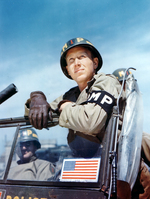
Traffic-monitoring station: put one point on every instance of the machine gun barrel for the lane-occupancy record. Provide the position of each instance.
(8, 92)
(24, 121)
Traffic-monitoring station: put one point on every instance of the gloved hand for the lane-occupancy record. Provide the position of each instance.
(145, 181)
(39, 110)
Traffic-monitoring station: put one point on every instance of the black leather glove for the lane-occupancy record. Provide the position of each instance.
(39, 110)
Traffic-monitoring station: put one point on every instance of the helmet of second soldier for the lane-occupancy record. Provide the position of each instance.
(78, 42)
(27, 144)
(29, 134)
(120, 73)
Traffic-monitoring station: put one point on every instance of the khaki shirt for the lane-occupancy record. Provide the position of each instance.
(86, 120)
(36, 170)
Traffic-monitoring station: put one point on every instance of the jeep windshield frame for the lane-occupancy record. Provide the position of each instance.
(104, 169)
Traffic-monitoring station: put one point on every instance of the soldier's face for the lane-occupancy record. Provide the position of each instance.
(27, 150)
(80, 64)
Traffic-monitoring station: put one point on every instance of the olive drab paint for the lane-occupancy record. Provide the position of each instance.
(73, 41)
(120, 73)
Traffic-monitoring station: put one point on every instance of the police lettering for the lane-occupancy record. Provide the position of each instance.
(103, 99)
(22, 197)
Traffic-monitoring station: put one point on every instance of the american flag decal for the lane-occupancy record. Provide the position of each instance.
(80, 170)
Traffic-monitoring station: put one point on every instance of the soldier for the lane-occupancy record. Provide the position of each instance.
(27, 144)
(84, 109)
(29, 166)
(143, 181)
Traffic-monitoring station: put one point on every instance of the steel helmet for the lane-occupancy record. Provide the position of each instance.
(119, 73)
(78, 42)
(28, 134)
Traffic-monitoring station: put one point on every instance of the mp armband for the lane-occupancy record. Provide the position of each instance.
(103, 99)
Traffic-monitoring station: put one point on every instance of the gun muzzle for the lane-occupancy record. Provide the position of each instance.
(8, 92)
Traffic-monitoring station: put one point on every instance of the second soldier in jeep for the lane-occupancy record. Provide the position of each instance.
(29, 166)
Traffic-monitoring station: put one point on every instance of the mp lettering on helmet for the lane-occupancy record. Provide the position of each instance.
(64, 48)
(103, 99)
(24, 133)
(79, 39)
(29, 132)
(121, 73)
(89, 43)
(34, 135)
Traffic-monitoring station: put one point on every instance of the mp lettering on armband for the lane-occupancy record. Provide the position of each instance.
(103, 99)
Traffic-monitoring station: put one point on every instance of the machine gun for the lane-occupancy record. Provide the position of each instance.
(24, 121)
(8, 92)
(18, 121)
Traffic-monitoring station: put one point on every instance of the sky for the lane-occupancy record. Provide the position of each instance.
(32, 33)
